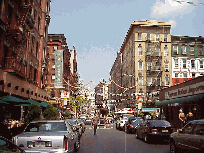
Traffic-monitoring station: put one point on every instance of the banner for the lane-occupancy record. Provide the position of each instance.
(58, 68)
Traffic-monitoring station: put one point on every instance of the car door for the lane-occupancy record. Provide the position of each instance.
(183, 137)
(195, 140)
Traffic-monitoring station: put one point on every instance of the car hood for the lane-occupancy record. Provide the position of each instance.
(31, 134)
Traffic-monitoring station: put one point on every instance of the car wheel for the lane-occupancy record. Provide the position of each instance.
(136, 135)
(173, 148)
(146, 139)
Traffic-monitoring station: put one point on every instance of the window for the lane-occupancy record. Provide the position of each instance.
(140, 65)
(139, 36)
(53, 76)
(167, 80)
(183, 49)
(200, 50)
(149, 65)
(192, 64)
(157, 50)
(184, 63)
(157, 37)
(192, 50)
(201, 64)
(139, 49)
(176, 63)
(165, 37)
(175, 49)
(176, 75)
(166, 66)
(166, 53)
(148, 36)
(158, 81)
(193, 75)
(149, 81)
(148, 49)
(199, 129)
(53, 63)
(185, 74)
(188, 129)
(140, 78)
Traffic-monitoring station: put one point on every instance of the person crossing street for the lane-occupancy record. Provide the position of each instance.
(95, 122)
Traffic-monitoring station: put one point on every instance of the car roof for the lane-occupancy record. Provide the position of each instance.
(48, 121)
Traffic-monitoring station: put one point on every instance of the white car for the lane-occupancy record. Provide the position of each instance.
(48, 136)
(122, 123)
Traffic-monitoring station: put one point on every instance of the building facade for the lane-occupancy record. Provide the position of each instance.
(187, 58)
(145, 62)
(61, 70)
(22, 43)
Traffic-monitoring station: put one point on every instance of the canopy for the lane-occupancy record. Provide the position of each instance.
(33, 102)
(10, 98)
(180, 100)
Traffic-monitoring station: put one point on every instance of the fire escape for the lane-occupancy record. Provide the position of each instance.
(19, 22)
(154, 68)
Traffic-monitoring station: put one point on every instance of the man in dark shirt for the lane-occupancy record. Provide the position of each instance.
(94, 123)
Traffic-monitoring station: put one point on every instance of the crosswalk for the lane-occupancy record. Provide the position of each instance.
(102, 127)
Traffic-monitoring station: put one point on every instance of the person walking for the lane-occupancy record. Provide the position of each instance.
(189, 116)
(95, 122)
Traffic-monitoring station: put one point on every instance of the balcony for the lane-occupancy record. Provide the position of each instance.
(30, 21)
(15, 66)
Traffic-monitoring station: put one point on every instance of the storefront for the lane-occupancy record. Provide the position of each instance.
(188, 96)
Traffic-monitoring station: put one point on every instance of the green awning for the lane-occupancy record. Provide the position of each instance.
(180, 100)
(3, 102)
(22, 105)
(33, 102)
(10, 98)
(44, 104)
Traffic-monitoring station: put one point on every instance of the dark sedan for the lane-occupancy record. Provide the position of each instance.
(188, 139)
(133, 125)
(155, 128)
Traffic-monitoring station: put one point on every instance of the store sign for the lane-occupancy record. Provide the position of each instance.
(58, 68)
(185, 91)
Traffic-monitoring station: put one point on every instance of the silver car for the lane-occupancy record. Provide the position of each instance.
(48, 136)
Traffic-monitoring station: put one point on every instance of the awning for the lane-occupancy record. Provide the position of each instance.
(10, 98)
(3, 102)
(22, 105)
(148, 109)
(44, 104)
(33, 102)
(180, 100)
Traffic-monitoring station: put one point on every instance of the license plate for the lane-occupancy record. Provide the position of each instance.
(165, 131)
(39, 144)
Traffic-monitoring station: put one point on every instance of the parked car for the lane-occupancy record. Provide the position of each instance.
(155, 128)
(189, 138)
(8, 146)
(81, 123)
(133, 124)
(87, 121)
(48, 136)
(75, 125)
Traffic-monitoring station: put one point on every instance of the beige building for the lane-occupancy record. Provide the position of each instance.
(145, 62)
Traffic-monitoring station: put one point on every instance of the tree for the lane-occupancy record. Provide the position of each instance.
(34, 113)
(50, 113)
(67, 115)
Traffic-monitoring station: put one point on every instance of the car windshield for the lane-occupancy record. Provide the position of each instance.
(137, 121)
(73, 122)
(159, 123)
(46, 127)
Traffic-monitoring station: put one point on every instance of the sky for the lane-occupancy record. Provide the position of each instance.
(97, 28)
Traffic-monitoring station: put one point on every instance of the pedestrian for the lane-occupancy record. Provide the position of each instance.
(94, 123)
(189, 116)
(181, 117)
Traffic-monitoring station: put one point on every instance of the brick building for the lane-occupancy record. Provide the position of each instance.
(59, 69)
(23, 41)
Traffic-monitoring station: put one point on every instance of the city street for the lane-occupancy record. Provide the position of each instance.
(114, 141)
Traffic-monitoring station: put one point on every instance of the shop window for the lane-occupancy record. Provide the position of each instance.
(184, 63)
(192, 64)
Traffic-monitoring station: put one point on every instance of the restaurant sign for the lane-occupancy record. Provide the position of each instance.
(197, 88)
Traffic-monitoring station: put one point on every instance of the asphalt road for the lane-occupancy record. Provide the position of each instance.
(110, 140)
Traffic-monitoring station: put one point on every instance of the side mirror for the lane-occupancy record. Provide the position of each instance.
(180, 130)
